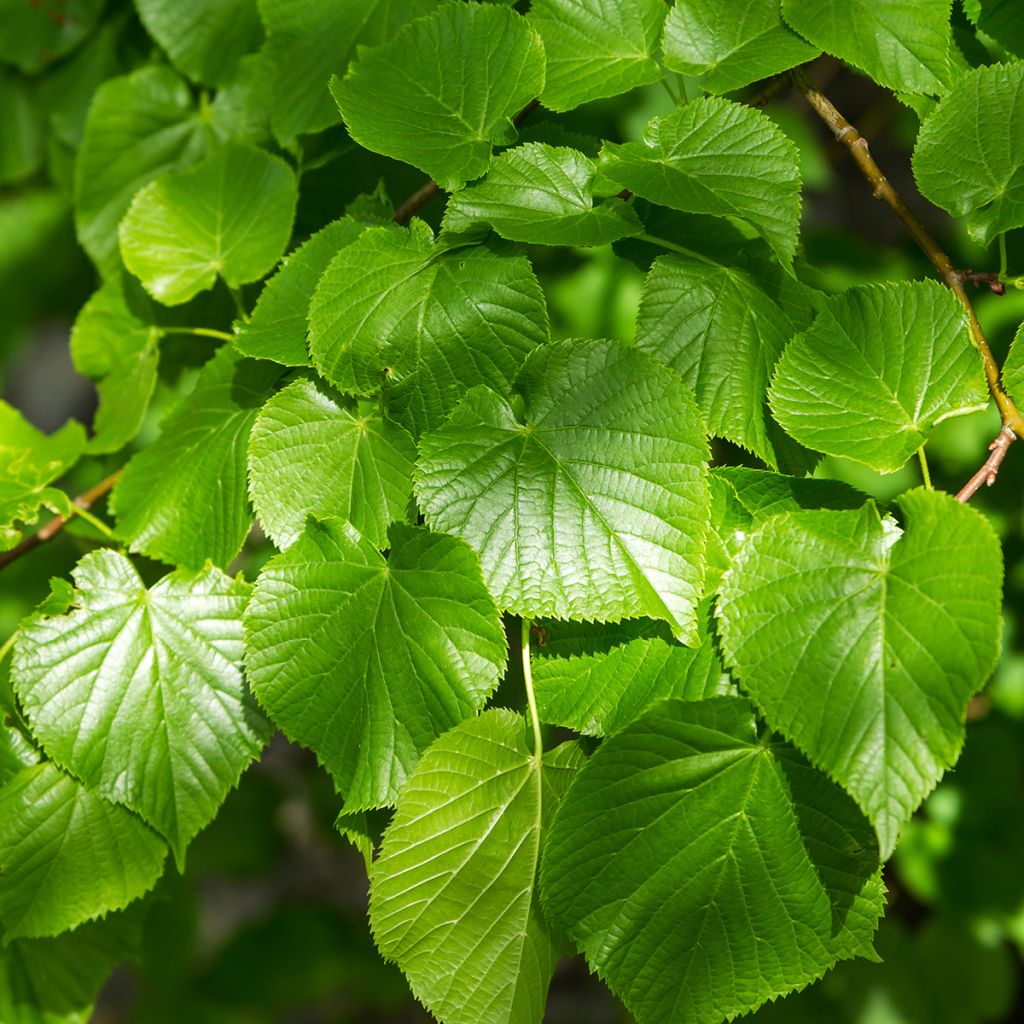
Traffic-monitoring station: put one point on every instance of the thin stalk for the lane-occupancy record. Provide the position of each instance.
(1002, 255)
(664, 243)
(5, 648)
(669, 90)
(243, 313)
(96, 522)
(531, 699)
(202, 332)
(925, 475)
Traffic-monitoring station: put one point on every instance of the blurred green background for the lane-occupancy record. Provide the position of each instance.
(267, 924)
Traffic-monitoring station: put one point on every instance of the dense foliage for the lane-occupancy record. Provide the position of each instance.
(487, 404)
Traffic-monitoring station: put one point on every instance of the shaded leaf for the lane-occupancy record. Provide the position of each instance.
(33, 35)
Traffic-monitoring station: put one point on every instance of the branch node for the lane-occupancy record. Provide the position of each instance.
(990, 470)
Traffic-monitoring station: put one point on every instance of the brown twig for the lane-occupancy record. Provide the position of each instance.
(55, 525)
(987, 474)
(405, 211)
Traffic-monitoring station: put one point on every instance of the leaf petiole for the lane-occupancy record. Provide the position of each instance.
(531, 699)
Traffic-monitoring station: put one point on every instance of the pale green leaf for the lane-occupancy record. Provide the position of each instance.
(56, 980)
(183, 499)
(139, 692)
(204, 38)
(1013, 367)
(599, 694)
(118, 349)
(727, 45)
(34, 34)
(229, 216)
(969, 157)
(453, 898)
(29, 462)
(276, 329)
(394, 310)
(863, 645)
(901, 44)
(715, 325)
(68, 855)
(139, 127)
(720, 158)
(15, 753)
(444, 89)
(314, 452)
(540, 194)
(703, 871)
(309, 40)
(597, 48)
(366, 661)
(592, 504)
(876, 371)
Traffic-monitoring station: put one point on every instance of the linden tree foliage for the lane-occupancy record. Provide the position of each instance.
(500, 455)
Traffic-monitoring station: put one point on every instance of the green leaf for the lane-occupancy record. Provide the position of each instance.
(56, 980)
(703, 871)
(183, 498)
(15, 753)
(33, 35)
(366, 661)
(68, 855)
(392, 308)
(593, 504)
(22, 129)
(982, 180)
(277, 327)
(597, 48)
(999, 19)
(901, 44)
(314, 452)
(715, 325)
(204, 38)
(720, 158)
(599, 694)
(540, 194)
(309, 40)
(877, 370)
(727, 45)
(139, 692)
(112, 345)
(1013, 367)
(29, 462)
(444, 89)
(863, 646)
(454, 898)
(139, 127)
(231, 215)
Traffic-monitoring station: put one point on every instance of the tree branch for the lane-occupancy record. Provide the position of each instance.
(55, 525)
(847, 134)
(987, 474)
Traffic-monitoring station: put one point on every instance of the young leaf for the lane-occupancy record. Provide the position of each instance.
(367, 661)
(393, 307)
(703, 871)
(444, 90)
(312, 452)
(596, 48)
(139, 692)
(599, 694)
(183, 498)
(231, 215)
(466, 840)
(56, 980)
(542, 194)
(982, 181)
(139, 127)
(721, 332)
(29, 462)
(309, 40)
(277, 327)
(68, 855)
(720, 158)
(901, 44)
(863, 648)
(205, 39)
(878, 369)
(119, 350)
(593, 505)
